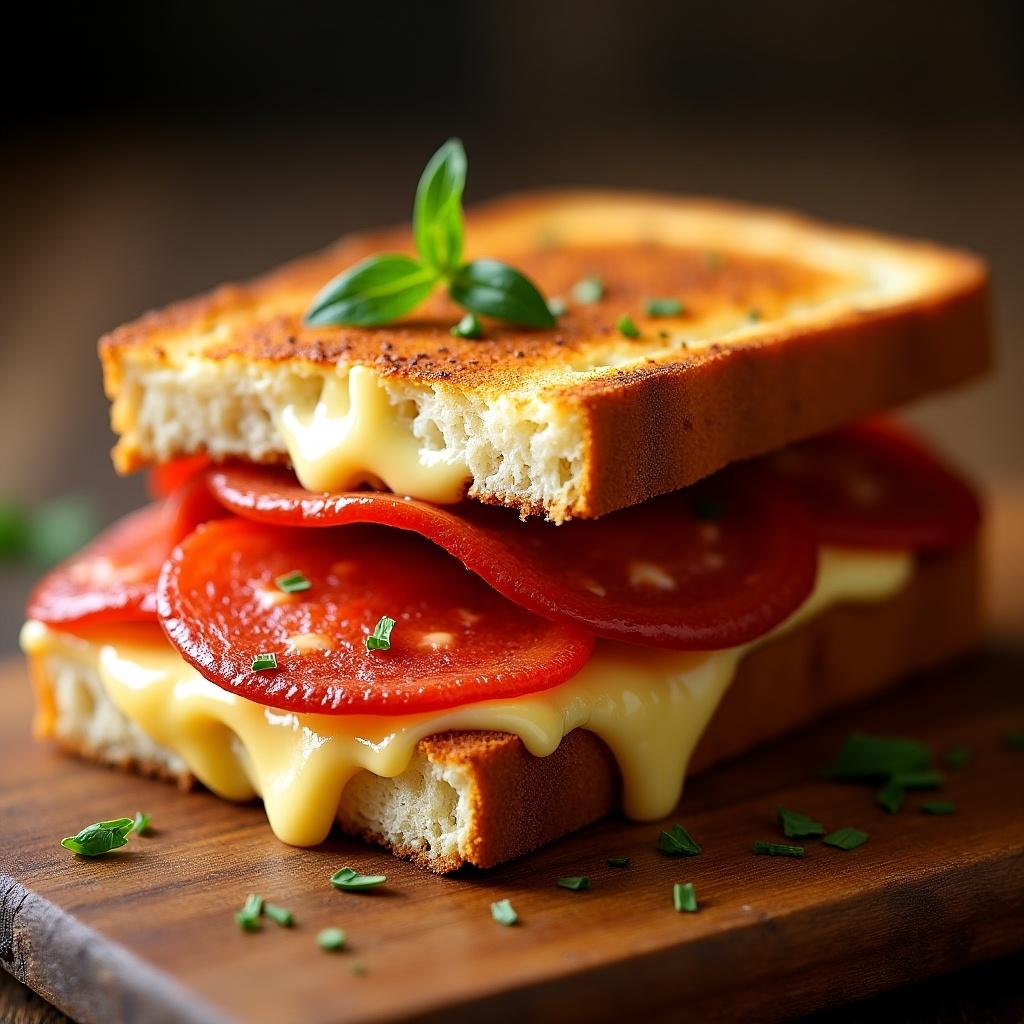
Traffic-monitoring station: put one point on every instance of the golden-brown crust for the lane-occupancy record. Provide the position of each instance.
(848, 323)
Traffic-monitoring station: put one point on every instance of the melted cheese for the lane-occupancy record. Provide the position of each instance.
(649, 706)
(353, 433)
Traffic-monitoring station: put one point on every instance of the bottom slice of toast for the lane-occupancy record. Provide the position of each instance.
(480, 798)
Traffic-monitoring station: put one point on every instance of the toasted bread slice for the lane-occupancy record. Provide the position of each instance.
(480, 798)
(789, 327)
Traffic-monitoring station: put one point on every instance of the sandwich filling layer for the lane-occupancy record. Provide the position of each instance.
(649, 706)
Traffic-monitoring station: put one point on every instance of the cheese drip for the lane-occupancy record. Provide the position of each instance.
(353, 433)
(649, 706)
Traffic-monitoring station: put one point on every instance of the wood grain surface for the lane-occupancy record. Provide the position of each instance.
(147, 934)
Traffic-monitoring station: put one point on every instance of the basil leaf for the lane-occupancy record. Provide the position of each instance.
(795, 825)
(777, 849)
(437, 211)
(868, 758)
(678, 842)
(376, 291)
(846, 838)
(576, 883)
(99, 838)
(492, 288)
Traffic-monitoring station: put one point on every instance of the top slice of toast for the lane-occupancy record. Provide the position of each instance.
(789, 327)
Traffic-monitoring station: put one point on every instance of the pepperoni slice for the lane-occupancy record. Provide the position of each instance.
(872, 485)
(114, 577)
(166, 477)
(455, 640)
(708, 567)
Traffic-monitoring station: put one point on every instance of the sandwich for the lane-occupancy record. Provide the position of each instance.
(468, 535)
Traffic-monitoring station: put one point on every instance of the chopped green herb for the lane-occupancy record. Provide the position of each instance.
(927, 779)
(380, 638)
(891, 797)
(627, 328)
(589, 290)
(664, 307)
(349, 880)
(754, 314)
(864, 758)
(293, 582)
(263, 662)
(684, 896)
(937, 807)
(468, 327)
(777, 849)
(99, 838)
(140, 825)
(678, 842)
(331, 939)
(248, 918)
(958, 757)
(574, 882)
(713, 260)
(1015, 740)
(504, 913)
(558, 306)
(795, 825)
(846, 838)
(285, 918)
(618, 862)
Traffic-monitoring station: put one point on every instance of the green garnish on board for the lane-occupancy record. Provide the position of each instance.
(140, 825)
(380, 638)
(264, 662)
(618, 862)
(684, 897)
(504, 913)
(795, 825)
(866, 758)
(285, 918)
(777, 849)
(293, 582)
(936, 807)
(574, 882)
(382, 288)
(678, 842)
(99, 838)
(846, 838)
(891, 796)
(331, 939)
(248, 918)
(349, 880)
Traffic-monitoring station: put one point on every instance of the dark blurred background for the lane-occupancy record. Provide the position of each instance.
(154, 150)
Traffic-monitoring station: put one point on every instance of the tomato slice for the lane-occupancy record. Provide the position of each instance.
(114, 577)
(708, 567)
(455, 641)
(873, 485)
(166, 477)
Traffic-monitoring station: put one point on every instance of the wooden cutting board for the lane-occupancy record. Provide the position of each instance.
(147, 934)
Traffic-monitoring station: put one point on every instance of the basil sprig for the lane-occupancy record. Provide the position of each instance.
(383, 288)
(100, 838)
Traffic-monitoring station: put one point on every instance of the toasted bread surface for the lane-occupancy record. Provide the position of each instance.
(480, 798)
(789, 327)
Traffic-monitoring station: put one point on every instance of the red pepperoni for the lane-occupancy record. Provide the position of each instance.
(708, 567)
(455, 640)
(166, 477)
(114, 577)
(872, 485)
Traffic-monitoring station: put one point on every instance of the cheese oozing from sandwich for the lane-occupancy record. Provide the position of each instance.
(650, 706)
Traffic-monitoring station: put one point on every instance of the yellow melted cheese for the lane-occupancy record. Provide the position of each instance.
(353, 433)
(649, 706)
